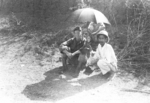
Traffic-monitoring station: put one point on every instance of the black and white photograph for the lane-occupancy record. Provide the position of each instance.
(75, 51)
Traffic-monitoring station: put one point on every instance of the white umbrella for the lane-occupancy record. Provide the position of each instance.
(89, 15)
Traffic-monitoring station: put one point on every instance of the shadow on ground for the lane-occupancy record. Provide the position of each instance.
(56, 87)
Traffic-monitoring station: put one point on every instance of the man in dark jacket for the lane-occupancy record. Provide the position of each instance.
(72, 49)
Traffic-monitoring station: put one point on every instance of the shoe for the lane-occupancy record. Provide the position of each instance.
(112, 76)
(88, 71)
(61, 72)
(64, 69)
(97, 70)
(95, 73)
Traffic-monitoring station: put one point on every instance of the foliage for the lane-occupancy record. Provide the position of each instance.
(129, 31)
(130, 19)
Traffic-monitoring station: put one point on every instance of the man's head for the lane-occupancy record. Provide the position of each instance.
(87, 36)
(102, 37)
(77, 33)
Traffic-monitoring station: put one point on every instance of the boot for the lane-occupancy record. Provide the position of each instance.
(88, 71)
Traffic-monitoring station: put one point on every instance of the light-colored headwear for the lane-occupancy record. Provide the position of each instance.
(95, 28)
(103, 32)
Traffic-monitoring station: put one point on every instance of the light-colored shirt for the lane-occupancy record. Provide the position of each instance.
(107, 53)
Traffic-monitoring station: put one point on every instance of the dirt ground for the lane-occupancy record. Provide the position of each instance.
(28, 80)
(31, 78)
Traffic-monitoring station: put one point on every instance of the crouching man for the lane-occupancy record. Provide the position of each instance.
(104, 58)
(71, 49)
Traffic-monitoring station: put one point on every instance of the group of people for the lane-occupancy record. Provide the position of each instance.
(89, 47)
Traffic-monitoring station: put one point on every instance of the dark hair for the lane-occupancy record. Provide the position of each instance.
(77, 29)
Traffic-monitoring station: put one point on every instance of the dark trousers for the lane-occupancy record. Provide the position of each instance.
(69, 61)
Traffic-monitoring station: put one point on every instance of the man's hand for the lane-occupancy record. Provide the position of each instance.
(91, 61)
(92, 53)
(76, 52)
(87, 64)
(63, 48)
(69, 55)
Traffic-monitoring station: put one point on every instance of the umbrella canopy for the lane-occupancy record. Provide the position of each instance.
(89, 15)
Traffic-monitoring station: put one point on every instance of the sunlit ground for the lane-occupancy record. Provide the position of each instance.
(16, 75)
(110, 92)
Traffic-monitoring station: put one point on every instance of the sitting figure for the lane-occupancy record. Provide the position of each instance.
(71, 49)
(104, 57)
(86, 51)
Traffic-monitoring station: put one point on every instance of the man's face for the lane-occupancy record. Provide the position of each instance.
(87, 36)
(102, 39)
(78, 34)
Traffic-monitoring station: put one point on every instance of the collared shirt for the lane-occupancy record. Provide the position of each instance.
(107, 53)
(73, 44)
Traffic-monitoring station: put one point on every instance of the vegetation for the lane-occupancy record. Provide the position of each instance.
(43, 21)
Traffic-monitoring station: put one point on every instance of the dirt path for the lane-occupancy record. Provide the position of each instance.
(24, 80)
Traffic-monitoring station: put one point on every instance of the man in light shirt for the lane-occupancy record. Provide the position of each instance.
(104, 57)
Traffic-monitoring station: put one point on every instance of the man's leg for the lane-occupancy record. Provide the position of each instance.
(111, 76)
(73, 61)
(78, 67)
(81, 61)
(65, 52)
(107, 69)
(64, 63)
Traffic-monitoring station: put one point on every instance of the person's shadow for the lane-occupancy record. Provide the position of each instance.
(56, 86)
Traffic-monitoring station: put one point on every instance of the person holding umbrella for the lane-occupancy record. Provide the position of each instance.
(95, 20)
(71, 49)
(93, 29)
(104, 58)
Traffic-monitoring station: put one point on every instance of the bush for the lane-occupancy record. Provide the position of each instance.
(129, 18)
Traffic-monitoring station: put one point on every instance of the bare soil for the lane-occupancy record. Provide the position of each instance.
(26, 80)
(33, 78)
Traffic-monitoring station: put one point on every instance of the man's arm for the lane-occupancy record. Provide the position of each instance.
(80, 49)
(76, 52)
(65, 45)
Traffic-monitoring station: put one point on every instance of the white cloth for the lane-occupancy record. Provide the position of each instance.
(105, 57)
